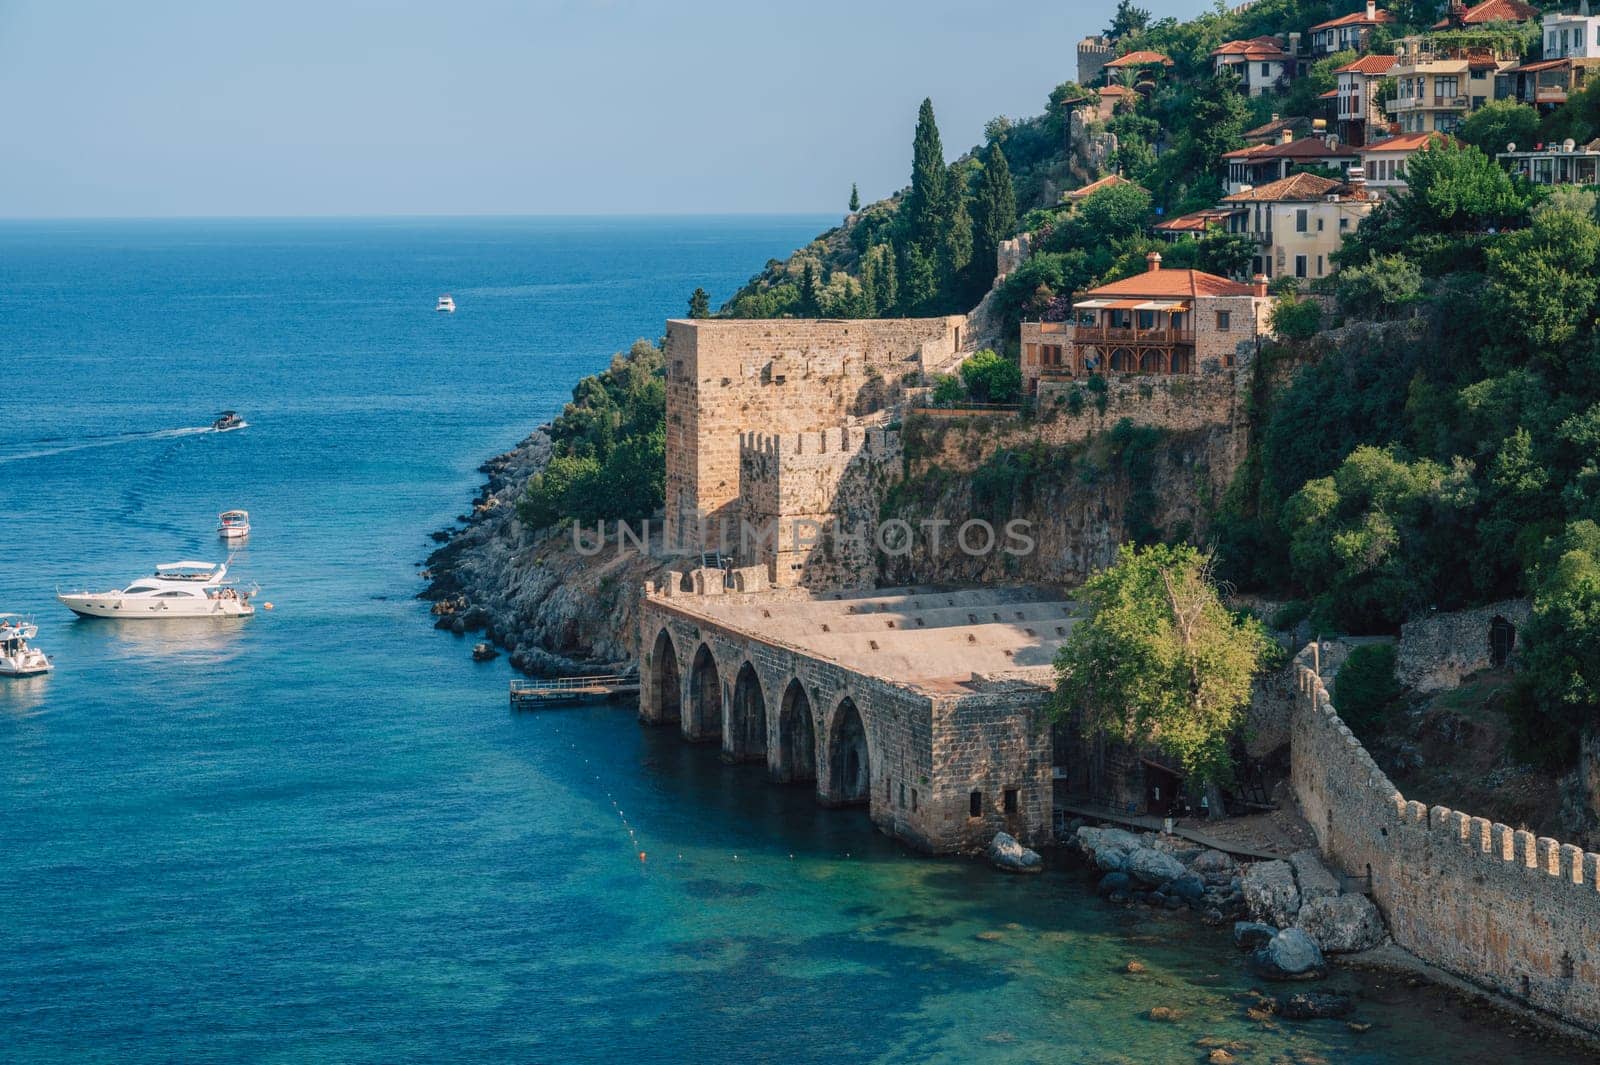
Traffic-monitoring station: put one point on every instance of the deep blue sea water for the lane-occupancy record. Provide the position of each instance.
(320, 835)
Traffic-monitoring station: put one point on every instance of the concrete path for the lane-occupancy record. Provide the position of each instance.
(1154, 824)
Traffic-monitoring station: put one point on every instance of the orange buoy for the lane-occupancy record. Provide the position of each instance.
(266, 606)
(641, 856)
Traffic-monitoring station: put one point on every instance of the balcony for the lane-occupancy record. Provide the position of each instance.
(1105, 334)
(1429, 103)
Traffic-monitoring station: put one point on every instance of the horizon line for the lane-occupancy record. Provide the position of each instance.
(485, 216)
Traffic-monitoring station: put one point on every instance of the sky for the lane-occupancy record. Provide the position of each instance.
(358, 107)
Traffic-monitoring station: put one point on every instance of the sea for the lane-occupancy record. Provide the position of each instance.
(321, 834)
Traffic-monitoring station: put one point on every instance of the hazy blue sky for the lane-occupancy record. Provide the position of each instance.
(492, 106)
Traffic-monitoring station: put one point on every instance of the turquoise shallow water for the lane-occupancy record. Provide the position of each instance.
(320, 836)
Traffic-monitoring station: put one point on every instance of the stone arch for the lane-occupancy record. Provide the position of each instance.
(849, 757)
(666, 682)
(1502, 641)
(797, 737)
(704, 719)
(1150, 362)
(745, 734)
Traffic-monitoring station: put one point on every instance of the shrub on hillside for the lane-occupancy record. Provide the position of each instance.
(992, 378)
(1366, 688)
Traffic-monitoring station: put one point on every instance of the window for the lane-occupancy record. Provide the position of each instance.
(1344, 223)
(1266, 70)
(1224, 321)
(1447, 87)
(1011, 800)
(975, 804)
(1319, 266)
(1301, 218)
(913, 800)
(1299, 266)
(1147, 319)
(1031, 354)
(1319, 225)
(902, 795)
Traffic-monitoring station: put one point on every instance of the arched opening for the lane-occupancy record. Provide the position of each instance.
(666, 684)
(1121, 360)
(747, 718)
(849, 768)
(1502, 641)
(1150, 362)
(797, 738)
(1180, 362)
(704, 721)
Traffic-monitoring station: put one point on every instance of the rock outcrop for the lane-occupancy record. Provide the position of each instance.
(1006, 853)
(1342, 924)
(1289, 955)
(1271, 893)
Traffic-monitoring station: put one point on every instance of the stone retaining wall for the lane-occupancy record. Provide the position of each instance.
(1438, 650)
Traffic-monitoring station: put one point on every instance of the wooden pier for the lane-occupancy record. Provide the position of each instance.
(538, 694)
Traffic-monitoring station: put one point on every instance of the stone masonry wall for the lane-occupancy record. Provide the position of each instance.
(1438, 650)
(729, 377)
(1516, 915)
(805, 497)
(926, 755)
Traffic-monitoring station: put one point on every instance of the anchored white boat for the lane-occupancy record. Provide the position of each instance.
(175, 590)
(445, 304)
(17, 658)
(233, 524)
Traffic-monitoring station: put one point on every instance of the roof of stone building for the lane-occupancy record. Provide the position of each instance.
(1116, 90)
(1405, 142)
(1277, 126)
(1139, 59)
(1357, 18)
(1167, 284)
(1293, 189)
(1490, 11)
(1109, 181)
(929, 639)
(1255, 48)
(1194, 221)
(1376, 65)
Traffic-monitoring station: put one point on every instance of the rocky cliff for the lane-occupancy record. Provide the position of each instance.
(556, 609)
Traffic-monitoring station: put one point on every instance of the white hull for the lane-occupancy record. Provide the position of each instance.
(233, 532)
(32, 665)
(137, 608)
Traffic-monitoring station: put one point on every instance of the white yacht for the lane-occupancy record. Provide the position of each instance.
(175, 590)
(233, 524)
(445, 304)
(17, 658)
(228, 420)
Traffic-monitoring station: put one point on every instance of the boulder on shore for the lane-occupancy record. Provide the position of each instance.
(1153, 867)
(1270, 892)
(1249, 935)
(1343, 924)
(1112, 883)
(1007, 854)
(1289, 955)
(1312, 876)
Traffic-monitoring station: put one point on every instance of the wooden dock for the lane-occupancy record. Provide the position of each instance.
(538, 694)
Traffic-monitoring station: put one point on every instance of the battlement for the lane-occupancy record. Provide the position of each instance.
(844, 440)
(1510, 911)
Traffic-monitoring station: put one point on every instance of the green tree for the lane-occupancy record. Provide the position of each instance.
(855, 198)
(810, 301)
(1366, 688)
(1380, 286)
(992, 378)
(1498, 123)
(994, 215)
(1453, 187)
(1560, 656)
(925, 214)
(1160, 660)
(947, 391)
(1128, 21)
(700, 304)
(1542, 281)
(1296, 318)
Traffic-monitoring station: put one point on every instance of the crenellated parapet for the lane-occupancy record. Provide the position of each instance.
(1516, 913)
(844, 441)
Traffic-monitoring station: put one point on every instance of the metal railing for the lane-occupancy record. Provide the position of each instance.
(567, 684)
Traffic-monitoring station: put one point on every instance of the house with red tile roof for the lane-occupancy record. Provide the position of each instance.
(1443, 79)
(1260, 64)
(1158, 322)
(1297, 223)
(1193, 224)
(1358, 112)
(1570, 61)
(1146, 68)
(1271, 132)
(1350, 32)
(1460, 16)
(1259, 164)
(1110, 181)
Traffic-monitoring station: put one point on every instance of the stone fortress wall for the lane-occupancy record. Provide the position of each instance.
(1514, 914)
(803, 497)
(1437, 651)
(729, 377)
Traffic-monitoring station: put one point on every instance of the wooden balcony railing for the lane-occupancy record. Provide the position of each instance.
(1105, 334)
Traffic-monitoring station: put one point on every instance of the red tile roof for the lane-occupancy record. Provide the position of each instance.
(1167, 284)
(1306, 148)
(1492, 11)
(1138, 59)
(1378, 65)
(1294, 188)
(1109, 181)
(1116, 90)
(1255, 48)
(1405, 142)
(1195, 222)
(1359, 18)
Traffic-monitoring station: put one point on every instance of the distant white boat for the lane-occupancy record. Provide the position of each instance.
(175, 590)
(17, 658)
(228, 419)
(233, 524)
(445, 304)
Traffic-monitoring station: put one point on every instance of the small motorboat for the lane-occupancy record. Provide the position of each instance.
(445, 304)
(175, 590)
(227, 420)
(233, 524)
(17, 658)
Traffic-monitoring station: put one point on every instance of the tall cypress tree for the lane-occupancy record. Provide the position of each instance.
(994, 215)
(925, 217)
(810, 302)
(855, 198)
(700, 304)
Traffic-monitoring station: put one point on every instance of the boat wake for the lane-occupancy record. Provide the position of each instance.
(38, 452)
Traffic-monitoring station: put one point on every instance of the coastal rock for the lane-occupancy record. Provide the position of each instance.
(484, 652)
(1249, 935)
(1007, 854)
(1108, 848)
(1153, 867)
(1270, 892)
(1343, 924)
(1289, 955)
(1188, 887)
(1312, 877)
(1115, 883)
(1315, 1005)
(1214, 866)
